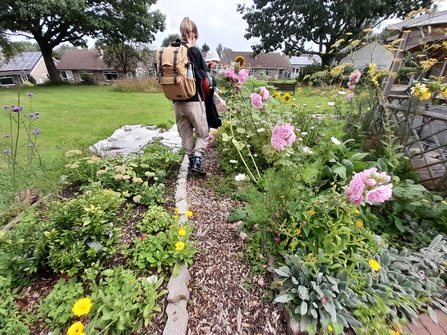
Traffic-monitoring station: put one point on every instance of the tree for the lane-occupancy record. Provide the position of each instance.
(169, 39)
(221, 50)
(53, 22)
(121, 56)
(60, 50)
(295, 25)
(205, 47)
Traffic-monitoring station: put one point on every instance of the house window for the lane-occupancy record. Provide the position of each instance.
(67, 75)
(23, 78)
(110, 75)
(268, 72)
(6, 81)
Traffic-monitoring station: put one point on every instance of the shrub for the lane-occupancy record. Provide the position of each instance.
(137, 85)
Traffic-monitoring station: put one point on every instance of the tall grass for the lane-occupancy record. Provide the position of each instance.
(137, 85)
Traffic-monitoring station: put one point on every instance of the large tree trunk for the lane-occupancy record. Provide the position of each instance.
(47, 53)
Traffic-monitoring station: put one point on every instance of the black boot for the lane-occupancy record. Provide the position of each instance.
(197, 166)
(192, 160)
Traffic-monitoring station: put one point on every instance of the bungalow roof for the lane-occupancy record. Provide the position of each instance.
(73, 59)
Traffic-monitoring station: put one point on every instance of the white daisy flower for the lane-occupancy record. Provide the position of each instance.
(335, 140)
(240, 177)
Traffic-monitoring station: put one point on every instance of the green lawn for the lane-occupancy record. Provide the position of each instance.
(78, 116)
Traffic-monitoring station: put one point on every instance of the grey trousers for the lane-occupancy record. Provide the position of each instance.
(189, 115)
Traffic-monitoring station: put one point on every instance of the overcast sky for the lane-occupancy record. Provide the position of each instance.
(218, 21)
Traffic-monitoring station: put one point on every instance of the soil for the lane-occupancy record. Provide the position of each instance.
(225, 298)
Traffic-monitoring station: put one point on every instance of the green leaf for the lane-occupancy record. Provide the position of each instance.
(398, 223)
(303, 310)
(303, 292)
(340, 170)
(358, 156)
(338, 328)
(237, 144)
(327, 172)
(284, 298)
(240, 130)
(225, 137)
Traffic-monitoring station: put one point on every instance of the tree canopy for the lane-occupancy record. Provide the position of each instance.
(170, 39)
(52, 22)
(295, 26)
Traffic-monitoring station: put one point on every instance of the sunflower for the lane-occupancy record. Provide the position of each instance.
(241, 60)
(286, 97)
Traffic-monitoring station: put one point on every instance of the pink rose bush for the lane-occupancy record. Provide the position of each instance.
(369, 186)
(283, 136)
(264, 93)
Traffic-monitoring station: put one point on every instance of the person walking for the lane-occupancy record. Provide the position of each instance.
(212, 59)
(190, 114)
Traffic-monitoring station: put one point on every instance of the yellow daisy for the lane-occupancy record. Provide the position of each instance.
(179, 246)
(287, 98)
(188, 214)
(182, 231)
(82, 306)
(359, 223)
(76, 328)
(374, 265)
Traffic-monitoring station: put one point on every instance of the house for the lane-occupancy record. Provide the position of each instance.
(76, 61)
(24, 67)
(297, 63)
(419, 35)
(373, 52)
(270, 65)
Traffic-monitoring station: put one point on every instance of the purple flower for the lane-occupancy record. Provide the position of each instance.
(31, 115)
(349, 96)
(30, 94)
(6, 151)
(243, 236)
(256, 101)
(421, 273)
(6, 136)
(379, 194)
(37, 113)
(36, 131)
(16, 109)
(31, 145)
(5, 106)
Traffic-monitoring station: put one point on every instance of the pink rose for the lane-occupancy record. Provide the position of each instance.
(243, 75)
(379, 194)
(355, 190)
(264, 93)
(370, 182)
(243, 236)
(229, 73)
(256, 101)
(277, 239)
(261, 282)
(351, 86)
(277, 143)
(349, 96)
(354, 77)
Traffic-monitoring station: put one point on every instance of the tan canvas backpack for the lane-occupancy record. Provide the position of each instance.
(172, 72)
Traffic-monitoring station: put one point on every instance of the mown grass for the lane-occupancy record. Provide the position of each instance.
(74, 116)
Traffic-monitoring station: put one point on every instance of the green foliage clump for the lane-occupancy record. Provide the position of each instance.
(55, 308)
(87, 78)
(155, 220)
(83, 230)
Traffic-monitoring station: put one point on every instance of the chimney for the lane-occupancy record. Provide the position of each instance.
(100, 52)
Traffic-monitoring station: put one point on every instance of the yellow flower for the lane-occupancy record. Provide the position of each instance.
(276, 94)
(76, 328)
(188, 214)
(298, 231)
(395, 332)
(181, 231)
(286, 97)
(311, 212)
(176, 210)
(329, 328)
(82, 306)
(356, 211)
(240, 60)
(175, 217)
(374, 264)
(130, 280)
(359, 223)
(179, 246)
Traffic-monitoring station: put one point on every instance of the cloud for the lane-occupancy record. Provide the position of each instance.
(218, 21)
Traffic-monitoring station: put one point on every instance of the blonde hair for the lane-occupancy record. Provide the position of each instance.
(188, 28)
